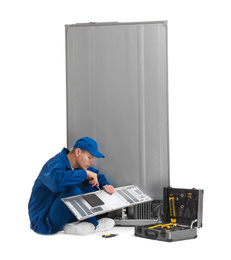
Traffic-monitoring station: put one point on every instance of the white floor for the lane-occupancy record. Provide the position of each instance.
(28, 245)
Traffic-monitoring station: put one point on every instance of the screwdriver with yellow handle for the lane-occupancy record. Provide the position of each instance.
(109, 235)
(172, 208)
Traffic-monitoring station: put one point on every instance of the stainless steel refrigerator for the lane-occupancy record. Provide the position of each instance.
(117, 94)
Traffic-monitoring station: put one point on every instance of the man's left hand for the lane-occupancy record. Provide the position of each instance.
(108, 188)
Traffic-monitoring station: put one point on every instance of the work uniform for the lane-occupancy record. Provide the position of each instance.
(48, 214)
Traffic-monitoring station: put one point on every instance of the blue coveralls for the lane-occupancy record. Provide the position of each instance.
(48, 214)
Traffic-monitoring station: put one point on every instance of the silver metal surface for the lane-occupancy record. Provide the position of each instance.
(200, 208)
(122, 197)
(117, 94)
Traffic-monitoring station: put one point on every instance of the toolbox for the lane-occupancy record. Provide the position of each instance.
(182, 216)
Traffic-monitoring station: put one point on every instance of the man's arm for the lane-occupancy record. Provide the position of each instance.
(93, 178)
(57, 177)
(103, 182)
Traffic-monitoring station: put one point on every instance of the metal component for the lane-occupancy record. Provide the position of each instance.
(147, 213)
(85, 206)
(194, 221)
(135, 222)
(200, 208)
(143, 211)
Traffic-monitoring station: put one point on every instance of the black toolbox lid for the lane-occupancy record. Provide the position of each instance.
(183, 206)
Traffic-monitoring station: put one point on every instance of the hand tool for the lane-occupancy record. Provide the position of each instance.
(172, 208)
(109, 235)
(168, 226)
(97, 187)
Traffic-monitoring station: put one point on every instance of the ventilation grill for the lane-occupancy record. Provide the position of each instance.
(143, 211)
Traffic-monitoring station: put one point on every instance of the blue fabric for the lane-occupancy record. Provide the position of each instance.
(48, 214)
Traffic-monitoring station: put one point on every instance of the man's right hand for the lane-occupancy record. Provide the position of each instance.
(92, 177)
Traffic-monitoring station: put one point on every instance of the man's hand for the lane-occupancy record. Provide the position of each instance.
(92, 177)
(108, 188)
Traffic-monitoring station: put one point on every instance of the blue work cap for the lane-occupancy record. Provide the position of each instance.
(88, 144)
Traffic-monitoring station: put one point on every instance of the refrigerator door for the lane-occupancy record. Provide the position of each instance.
(117, 94)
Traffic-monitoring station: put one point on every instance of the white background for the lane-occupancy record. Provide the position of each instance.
(33, 119)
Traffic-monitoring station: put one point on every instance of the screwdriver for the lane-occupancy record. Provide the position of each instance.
(109, 235)
(97, 187)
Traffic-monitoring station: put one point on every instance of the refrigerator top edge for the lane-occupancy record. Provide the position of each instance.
(164, 22)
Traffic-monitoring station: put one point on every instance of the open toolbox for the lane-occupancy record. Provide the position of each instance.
(182, 216)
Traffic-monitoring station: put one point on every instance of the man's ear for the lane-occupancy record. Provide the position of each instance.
(77, 152)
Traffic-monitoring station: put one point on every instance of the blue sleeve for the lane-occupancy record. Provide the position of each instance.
(57, 178)
(101, 178)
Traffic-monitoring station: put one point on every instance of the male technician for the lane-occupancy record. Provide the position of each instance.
(69, 173)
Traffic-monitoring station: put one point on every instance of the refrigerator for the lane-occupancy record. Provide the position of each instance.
(117, 94)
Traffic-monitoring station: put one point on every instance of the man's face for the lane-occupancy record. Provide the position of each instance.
(85, 160)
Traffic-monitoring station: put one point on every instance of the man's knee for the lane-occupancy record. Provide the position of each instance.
(59, 215)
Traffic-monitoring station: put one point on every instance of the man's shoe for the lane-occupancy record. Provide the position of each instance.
(105, 224)
(79, 228)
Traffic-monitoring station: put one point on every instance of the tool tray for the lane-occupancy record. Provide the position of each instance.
(182, 215)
